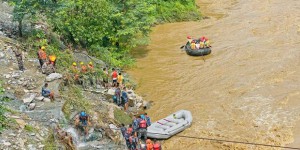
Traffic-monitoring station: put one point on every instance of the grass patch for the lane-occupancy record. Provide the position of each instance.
(30, 128)
(50, 142)
(4, 121)
(74, 101)
(122, 117)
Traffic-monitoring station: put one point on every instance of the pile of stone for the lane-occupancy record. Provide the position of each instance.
(135, 102)
(14, 79)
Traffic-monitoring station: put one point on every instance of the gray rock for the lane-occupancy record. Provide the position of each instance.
(7, 76)
(32, 134)
(11, 134)
(47, 99)
(2, 55)
(138, 105)
(41, 146)
(53, 76)
(111, 92)
(23, 108)
(146, 104)
(29, 98)
(16, 75)
(31, 106)
(39, 98)
(7, 144)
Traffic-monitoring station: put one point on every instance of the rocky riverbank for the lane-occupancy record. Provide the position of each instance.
(33, 116)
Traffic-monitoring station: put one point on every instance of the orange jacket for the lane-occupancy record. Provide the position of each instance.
(83, 69)
(149, 146)
(42, 54)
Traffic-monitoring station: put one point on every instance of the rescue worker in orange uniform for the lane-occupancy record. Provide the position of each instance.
(92, 75)
(75, 71)
(156, 145)
(52, 60)
(143, 129)
(42, 55)
(149, 144)
(83, 76)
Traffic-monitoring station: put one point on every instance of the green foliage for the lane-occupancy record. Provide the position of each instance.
(30, 128)
(4, 121)
(121, 116)
(177, 10)
(107, 29)
(74, 101)
(49, 142)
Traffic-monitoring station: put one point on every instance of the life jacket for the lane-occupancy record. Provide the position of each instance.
(91, 67)
(143, 124)
(149, 146)
(52, 58)
(42, 54)
(129, 131)
(83, 69)
(83, 118)
(115, 74)
(156, 146)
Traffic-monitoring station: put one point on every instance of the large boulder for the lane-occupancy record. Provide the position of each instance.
(53, 76)
(29, 97)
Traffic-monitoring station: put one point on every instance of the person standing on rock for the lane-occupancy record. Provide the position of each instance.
(83, 76)
(105, 77)
(91, 72)
(124, 98)
(19, 57)
(114, 76)
(42, 55)
(82, 121)
(148, 120)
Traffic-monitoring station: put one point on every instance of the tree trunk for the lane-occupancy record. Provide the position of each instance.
(20, 28)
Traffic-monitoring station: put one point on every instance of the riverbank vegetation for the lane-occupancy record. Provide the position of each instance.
(107, 29)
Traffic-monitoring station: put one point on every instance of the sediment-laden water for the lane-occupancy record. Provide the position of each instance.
(247, 90)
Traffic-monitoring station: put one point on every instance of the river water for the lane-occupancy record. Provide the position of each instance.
(247, 90)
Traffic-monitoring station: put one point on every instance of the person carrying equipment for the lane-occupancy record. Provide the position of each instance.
(143, 129)
(52, 60)
(82, 121)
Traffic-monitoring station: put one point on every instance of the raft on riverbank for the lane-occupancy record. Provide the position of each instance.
(171, 125)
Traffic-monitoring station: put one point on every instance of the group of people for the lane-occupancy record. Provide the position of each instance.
(136, 134)
(200, 43)
(47, 64)
(84, 74)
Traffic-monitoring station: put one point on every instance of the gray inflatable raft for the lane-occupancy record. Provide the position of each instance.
(171, 125)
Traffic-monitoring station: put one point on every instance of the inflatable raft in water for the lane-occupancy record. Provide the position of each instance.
(197, 52)
(171, 125)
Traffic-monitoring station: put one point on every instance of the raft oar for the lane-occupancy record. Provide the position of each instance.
(182, 47)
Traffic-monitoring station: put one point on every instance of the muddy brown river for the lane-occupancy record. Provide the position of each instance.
(247, 90)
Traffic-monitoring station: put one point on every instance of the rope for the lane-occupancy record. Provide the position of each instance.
(229, 141)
